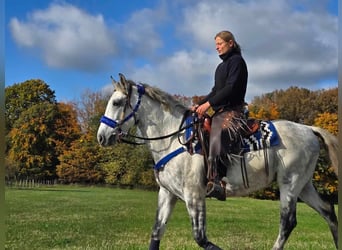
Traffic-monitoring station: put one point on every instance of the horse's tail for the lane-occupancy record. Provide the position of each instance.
(331, 143)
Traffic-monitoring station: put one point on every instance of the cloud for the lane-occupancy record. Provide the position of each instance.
(139, 36)
(185, 72)
(66, 37)
(282, 45)
(284, 42)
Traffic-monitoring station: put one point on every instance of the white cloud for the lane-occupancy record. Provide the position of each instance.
(66, 37)
(139, 36)
(184, 73)
(283, 46)
(284, 42)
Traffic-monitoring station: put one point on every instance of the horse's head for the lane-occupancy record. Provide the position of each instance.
(119, 115)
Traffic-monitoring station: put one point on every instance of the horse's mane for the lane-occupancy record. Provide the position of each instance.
(168, 102)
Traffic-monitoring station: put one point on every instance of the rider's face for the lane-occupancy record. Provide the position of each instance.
(222, 46)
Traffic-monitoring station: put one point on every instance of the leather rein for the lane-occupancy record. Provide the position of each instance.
(117, 124)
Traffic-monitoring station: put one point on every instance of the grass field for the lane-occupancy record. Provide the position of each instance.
(69, 217)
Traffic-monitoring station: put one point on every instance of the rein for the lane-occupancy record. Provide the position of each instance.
(181, 128)
(117, 124)
(188, 143)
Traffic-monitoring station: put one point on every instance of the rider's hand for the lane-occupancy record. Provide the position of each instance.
(194, 107)
(202, 108)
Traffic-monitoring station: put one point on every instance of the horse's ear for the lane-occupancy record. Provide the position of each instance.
(116, 84)
(113, 81)
(123, 82)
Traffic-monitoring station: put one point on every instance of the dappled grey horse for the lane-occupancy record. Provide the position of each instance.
(182, 175)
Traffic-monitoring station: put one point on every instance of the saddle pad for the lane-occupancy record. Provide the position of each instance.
(266, 136)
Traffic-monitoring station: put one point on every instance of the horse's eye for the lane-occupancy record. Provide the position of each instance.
(119, 102)
(116, 103)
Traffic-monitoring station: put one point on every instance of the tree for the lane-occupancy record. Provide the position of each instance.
(38, 129)
(266, 112)
(33, 142)
(79, 164)
(327, 101)
(66, 126)
(90, 108)
(21, 96)
(327, 121)
(296, 104)
(325, 179)
(128, 165)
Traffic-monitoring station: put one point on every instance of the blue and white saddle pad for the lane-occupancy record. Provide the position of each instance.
(266, 136)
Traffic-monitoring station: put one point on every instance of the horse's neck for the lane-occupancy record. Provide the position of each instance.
(155, 121)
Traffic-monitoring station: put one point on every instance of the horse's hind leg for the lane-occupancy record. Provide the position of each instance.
(310, 196)
(166, 203)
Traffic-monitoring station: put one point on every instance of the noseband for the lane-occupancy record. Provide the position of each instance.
(114, 124)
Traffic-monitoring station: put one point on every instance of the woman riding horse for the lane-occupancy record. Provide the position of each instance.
(228, 95)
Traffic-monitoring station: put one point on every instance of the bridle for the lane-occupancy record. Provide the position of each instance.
(117, 124)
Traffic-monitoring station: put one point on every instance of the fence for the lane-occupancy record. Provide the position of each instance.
(27, 183)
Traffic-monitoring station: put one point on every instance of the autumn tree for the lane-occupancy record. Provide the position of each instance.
(33, 142)
(128, 165)
(39, 129)
(328, 121)
(327, 101)
(90, 108)
(325, 179)
(66, 126)
(80, 164)
(295, 104)
(21, 96)
(266, 111)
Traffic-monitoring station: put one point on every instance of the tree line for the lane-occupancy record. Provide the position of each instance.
(49, 140)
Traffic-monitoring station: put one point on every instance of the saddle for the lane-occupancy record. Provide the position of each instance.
(253, 126)
(235, 125)
(238, 136)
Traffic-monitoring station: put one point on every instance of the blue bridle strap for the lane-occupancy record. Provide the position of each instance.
(113, 124)
(109, 122)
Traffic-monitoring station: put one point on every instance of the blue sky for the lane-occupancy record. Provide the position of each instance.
(77, 45)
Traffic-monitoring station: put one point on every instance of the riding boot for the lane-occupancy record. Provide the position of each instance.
(217, 189)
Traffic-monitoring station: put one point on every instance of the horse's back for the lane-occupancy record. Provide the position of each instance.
(296, 136)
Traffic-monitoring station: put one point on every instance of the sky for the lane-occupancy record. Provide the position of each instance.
(76, 45)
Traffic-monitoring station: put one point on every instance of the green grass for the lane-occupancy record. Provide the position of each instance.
(69, 217)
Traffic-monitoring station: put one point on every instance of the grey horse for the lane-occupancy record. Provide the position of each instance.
(182, 176)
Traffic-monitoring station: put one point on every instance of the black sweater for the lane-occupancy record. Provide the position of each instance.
(230, 82)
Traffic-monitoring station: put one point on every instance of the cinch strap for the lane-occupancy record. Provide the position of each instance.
(168, 157)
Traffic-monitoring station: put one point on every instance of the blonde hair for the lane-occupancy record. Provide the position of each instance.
(227, 36)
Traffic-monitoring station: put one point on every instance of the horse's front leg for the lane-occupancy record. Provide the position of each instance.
(195, 203)
(166, 203)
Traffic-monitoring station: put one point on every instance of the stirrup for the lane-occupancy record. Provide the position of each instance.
(217, 191)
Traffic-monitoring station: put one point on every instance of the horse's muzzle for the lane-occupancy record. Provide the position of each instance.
(105, 142)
